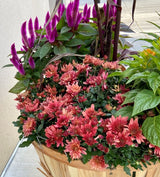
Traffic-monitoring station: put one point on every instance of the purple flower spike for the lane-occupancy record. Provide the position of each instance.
(75, 10)
(86, 14)
(60, 11)
(36, 25)
(24, 34)
(31, 32)
(54, 21)
(72, 14)
(48, 29)
(21, 69)
(31, 62)
(79, 18)
(69, 14)
(47, 17)
(16, 61)
(53, 36)
(94, 13)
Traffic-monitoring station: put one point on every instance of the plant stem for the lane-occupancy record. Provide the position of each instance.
(117, 29)
(101, 38)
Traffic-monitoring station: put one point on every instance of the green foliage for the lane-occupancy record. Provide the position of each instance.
(151, 129)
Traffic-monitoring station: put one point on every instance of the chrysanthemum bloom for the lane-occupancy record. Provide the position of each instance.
(98, 163)
(68, 78)
(117, 124)
(65, 68)
(90, 112)
(73, 89)
(119, 98)
(51, 71)
(135, 131)
(29, 126)
(111, 65)
(31, 106)
(156, 149)
(74, 148)
(54, 135)
(92, 60)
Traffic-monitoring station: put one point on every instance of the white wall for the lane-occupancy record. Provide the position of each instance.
(12, 14)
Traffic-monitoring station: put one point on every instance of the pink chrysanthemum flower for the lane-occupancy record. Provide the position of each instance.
(117, 124)
(65, 68)
(98, 163)
(135, 131)
(54, 135)
(68, 78)
(29, 126)
(156, 149)
(74, 148)
(120, 99)
(31, 106)
(73, 89)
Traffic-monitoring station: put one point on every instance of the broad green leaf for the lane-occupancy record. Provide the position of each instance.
(145, 100)
(74, 42)
(156, 61)
(118, 73)
(18, 87)
(136, 76)
(154, 81)
(151, 130)
(25, 144)
(87, 30)
(62, 37)
(128, 72)
(44, 50)
(65, 29)
(60, 24)
(125, 112)
(60, 50)
(130, 96)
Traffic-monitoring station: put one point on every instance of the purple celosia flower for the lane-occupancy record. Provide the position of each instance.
(72, 14)
(54, 21)
(36, 26)
(86, 14)
(31, 32)
(24, 35)
(31, 62)
(113, 10)
(60, 11)
(52, 35)
(16, 61)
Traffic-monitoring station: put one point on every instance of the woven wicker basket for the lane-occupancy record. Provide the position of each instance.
(56, 164)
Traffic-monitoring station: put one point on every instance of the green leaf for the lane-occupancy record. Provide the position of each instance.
(18, 88)
(154, 81)
(65, 29)
(8, 65)
(142, 75)
(60, 50)
(145, 100)
(87, 30)
(152, 34)
(60, 24)
(40, 127)
(25, 144)
(74, 42)
(86, 157)
(117, 73)
(62, 37)
(127, 170)
(125, 112)
(44, 50)
(130, 96)
(151, 130)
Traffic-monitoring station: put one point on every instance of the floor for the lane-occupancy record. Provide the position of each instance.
(25, 162)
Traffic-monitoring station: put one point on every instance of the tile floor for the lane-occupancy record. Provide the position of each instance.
(25, 162)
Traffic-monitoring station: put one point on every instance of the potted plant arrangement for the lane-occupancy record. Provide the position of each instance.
(79, 106)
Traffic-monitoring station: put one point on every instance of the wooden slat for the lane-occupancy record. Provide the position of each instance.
(56, 164)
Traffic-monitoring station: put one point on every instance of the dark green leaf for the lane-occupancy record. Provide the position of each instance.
(154, 81)
(127, 170)
(40, 126)
(74, 42)
(87, 30)
(151, 130)
(145, 100)
(44, 50)
(60, 24)
(65, 29)
(130, 96)
(86, 157)
(25, 144)
(60, 50)
(18, 88)
(125, 112)
(117, 73)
